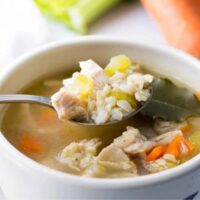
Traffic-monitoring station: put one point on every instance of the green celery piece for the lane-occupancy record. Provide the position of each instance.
(56, 9)
(194, 138)
(76, 14)
(86, 11)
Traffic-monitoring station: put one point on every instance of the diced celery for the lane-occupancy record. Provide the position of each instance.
(85, 85)
(118, 63)
(76, 14)
(119, 95)
(194, 138)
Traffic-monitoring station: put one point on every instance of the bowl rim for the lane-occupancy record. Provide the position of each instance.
(118, 183)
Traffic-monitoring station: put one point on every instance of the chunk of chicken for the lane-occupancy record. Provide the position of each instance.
(112, 162)
(133, 142)
(116, 161)
(139, 147)
(68, 106)
(128, 137)
(159, 165)
(93, 71)
(166, 138)
(80, 155)
(161, 126)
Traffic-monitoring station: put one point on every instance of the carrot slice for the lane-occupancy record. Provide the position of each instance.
(186, 128)
(156, 153)
(198, 95)
(47, 116)
(174, 147)
(29, 144)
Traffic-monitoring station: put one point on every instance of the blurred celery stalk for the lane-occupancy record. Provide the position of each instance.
(76, 14)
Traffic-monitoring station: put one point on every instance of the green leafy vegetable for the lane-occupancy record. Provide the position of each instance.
(76, 14)
(194, 138)
(171, 102)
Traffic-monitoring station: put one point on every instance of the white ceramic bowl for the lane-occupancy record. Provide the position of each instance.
(23, 178)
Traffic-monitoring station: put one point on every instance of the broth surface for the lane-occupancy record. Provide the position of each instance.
(24, 121)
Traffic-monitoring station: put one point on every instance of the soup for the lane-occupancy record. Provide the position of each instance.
(98, 95)
(146, 144)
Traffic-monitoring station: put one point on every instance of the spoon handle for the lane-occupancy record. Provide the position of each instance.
(23, 98)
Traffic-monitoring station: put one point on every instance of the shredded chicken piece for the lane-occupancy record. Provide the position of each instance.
(159, 165)
(167, 137)
(112, 162)
(161, 126)
(93, 71)
(133, 142)
(170, 158)
(95, 170)
(79, 155)
(128, 137)
(112, 154)
(139, 147)
(67, 106)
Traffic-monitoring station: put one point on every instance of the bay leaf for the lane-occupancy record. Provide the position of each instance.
(170, 102)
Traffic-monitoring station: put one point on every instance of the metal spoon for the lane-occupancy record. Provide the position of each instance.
(25, 98)
(46, 101)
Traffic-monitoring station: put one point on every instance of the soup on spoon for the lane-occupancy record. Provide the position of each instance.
(99, 96)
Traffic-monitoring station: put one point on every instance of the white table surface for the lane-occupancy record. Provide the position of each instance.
(23, 28)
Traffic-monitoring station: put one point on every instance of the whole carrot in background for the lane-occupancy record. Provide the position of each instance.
(198, 3)
(179, 21)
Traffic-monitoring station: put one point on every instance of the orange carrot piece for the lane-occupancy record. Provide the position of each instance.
(198, 95)
(186, 128)
(179, 22)
(156, 153)
(174, 147)
(47, 117)
(29, 144)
